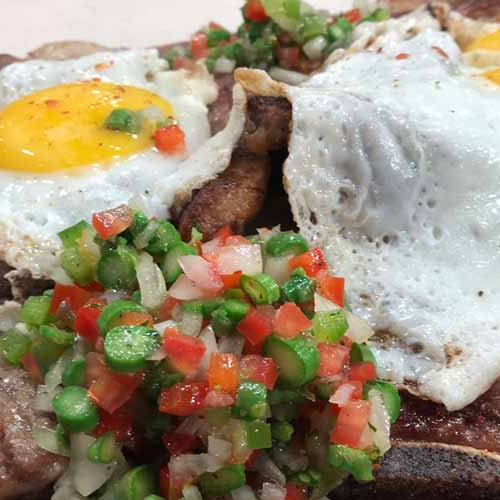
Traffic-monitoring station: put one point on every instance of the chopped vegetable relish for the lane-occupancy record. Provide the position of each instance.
(234, 365)
(285, 33)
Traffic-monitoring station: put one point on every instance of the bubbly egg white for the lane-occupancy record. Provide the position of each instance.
(394, 167)
(35, 207)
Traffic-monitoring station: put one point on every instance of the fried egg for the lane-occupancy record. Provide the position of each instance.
(394, 168)
(58, 163)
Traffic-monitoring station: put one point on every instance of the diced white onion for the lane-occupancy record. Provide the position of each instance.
(191, 465)
(272, 491)
(343, 394)
(243, 493)
(64, 489)
(314, 48)
(191, 492)
(366, 438)
(161, 327)
(137, 203)
(189, 425)
(277, 268)
(269, 470)
(53, 378)
(142, 239)
(359, 330)
(49, 440)
(207, 336)
(321, 304)
(87, 476)
(185, 289)
(151, 282)
(211, 247)
(287, 76)
(224, 65)
(43, 399)
(216, 399)
(191, 323)
(220, 449)
(238, 432)
(111, 296)
(232, 344)
(201, 272)
(379, 420)
(244, 258)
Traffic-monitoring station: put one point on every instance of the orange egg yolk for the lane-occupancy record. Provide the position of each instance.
(486, 42)
(62, 127)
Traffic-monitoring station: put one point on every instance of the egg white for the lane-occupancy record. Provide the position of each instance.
(35, 207)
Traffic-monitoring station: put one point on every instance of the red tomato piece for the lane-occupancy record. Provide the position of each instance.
(184, 352)
(231, 280)
(223, 233)
(74, 296)
(93, 287)
(350, 424)
(170, 140)
(121, 422)
(223, 373)
(86, 320)
(252, 459)
(111, 222)
(31, 366)
(136, 318)
(288, 57)
(362, 372)
(295, 491)
(178, 443)
(259, 369)
(290, 320)
(353, 15)
(332, 288)
(333, 359)
(164, 482)
(249, 349)
(312, 261)
(184, 398)
(256, 326)
(199, 45)
(254, 10)
(167, 307)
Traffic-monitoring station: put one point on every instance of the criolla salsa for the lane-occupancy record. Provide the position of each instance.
(231, 368)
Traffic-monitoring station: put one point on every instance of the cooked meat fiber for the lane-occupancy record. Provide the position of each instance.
(233, 198)
(24, 467)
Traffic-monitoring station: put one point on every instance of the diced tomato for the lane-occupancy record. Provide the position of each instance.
(74, 296)
(333, 359)
(259, 369)
(254, 10)
(249, 349)
(111, 222)
(86, 320)
(290, 320)
(350, 424)
(167, 307)
(332, 288)
(223, 233)
(93, 287)
(363, 372)
(183, 351)
(223, 373)
(31, 366)
(164, 482)
(288, 57)
(256, 326)
(179, 62)
(401, 56)
(121, 422)
(252, 459)
(312, 261)
(109, 390)
(170, 140)
(346, 392)
(178, 443)
(135, 318)
(353, 15)
(295, 491)
(335, 410)
(199, 45)
(231, 280)
(184, 398)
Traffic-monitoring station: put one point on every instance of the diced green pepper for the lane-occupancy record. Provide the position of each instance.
(57, 336)
(323, 390)
(136, 484)
(278, 396)
(378, 15)
(311, 478)
(236, 309)
(164, 238)
(221, 322)
(251, 401)
(14, 345)
(124, 120)
(217, 35)
(287, 243)
(74, 373)
(297, 359)
(159, 376)
(298, 289)
(70, 236)
(103, 449)
(355, 462)
(313, 25)
(170, 266)
(330, 326)
(116, 268)
(361, 352)
(390, 395)
(261, 288)
(282, 431)
(258, 435)
(77, 267)
(222, 481)
(36, 310)
(203, 307)
(46, 353)
(74, 410)
(111, 314)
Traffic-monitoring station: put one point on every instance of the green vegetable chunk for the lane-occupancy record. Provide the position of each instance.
(355, 462)
(136, 484)
(74, 410)
(103, 449)
(330, 326)
(217, 35)
(298, 289)
(261, 288)
(116, 268)
(390, 395)
(154, 497)
(113, 312)
(14, 345)
(378, 15)
(297, 359)
(127, 348)
(159, 376)
(222, 481)
(282, 431)
(251, 401)
(258, 435)
(36, 310)
(57, 336)
(74, 373)
(361, 352)
(78, 268)
(288, 243)
(228, 315)
(165, 237)
(123, 120)
(203, 307)
(46, 353)
(170, 266)
(70, 236)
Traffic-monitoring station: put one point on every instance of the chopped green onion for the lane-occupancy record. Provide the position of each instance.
(136, 484)
(57, 336)
(170, 266)
(298, 289)
(258, 435)
(123, 120)
(287, 243)
(74, 410)
(222, 481)
(330, 326)
(36, 310)
(74, 373)
(103, 449)
(355, 462)
(112, 313)
(14, 345)
(261, 288)
(390, 395)
(116, 268)
(251, 401)
(282, 431)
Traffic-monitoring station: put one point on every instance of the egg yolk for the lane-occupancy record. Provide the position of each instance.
(62, 127)
(487, 42)
(493, 76)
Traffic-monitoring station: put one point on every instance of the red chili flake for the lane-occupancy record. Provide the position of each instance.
(51, 103)
(440, 51)
(401, 56)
